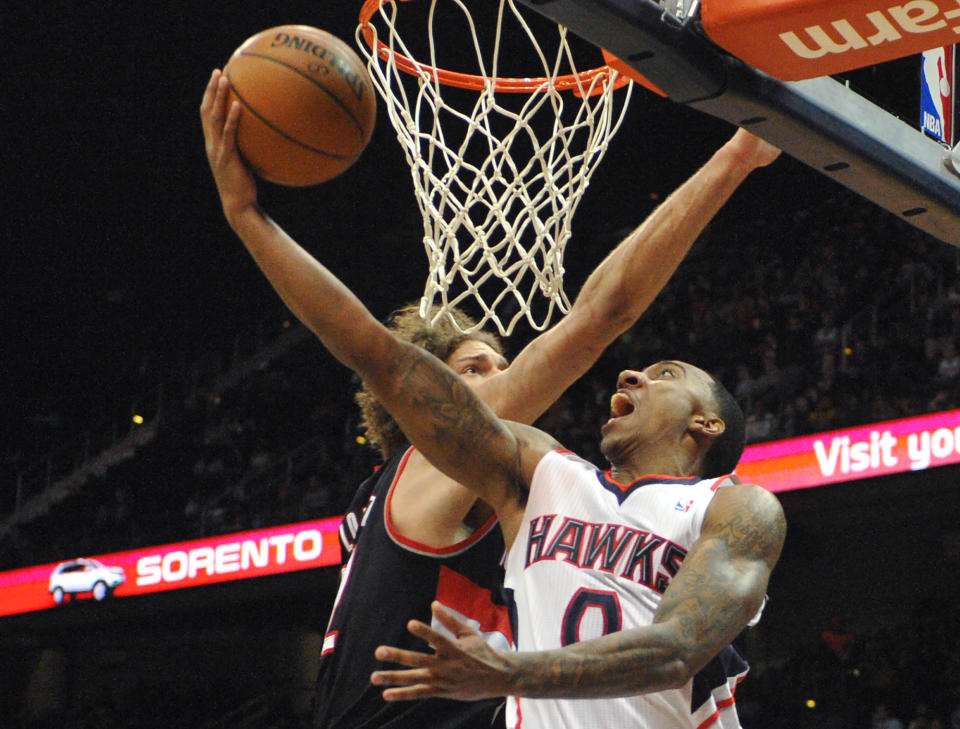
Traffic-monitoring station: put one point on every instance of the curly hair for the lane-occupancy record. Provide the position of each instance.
(440, 340)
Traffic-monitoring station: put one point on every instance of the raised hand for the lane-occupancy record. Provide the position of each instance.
(235, 182)
(465, 668)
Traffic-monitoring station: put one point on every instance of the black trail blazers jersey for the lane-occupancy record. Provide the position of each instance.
(387, 580)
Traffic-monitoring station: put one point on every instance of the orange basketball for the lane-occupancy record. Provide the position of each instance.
(308, 104)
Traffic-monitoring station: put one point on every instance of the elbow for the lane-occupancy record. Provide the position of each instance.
(614, 316)
(680, 662)
(684, 661)
(598, 324)
(372, 352)
(678, 672)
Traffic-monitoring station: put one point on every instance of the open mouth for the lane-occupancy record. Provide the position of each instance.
(620, 405)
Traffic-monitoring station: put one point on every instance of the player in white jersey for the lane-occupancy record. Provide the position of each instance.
(605, 553)
(665, 569)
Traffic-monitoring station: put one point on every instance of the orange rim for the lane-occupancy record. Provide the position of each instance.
(413, 67)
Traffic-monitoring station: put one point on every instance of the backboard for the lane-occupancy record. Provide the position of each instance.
(819, 121)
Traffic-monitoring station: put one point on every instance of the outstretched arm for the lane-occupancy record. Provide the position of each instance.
(435, 409)
(622, 287)
(716, 592)
(613, 297)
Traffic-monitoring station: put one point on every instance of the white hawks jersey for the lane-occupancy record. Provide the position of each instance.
(593, 557)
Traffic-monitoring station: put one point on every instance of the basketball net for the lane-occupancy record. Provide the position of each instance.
(497, 183)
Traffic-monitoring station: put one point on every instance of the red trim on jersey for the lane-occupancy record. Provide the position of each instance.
(716, 715)
(716, 484)
(473, 601)
(653, 477)
(709, 720)
(333, 634)
(723, 703)
(662, 478)
(416, 546)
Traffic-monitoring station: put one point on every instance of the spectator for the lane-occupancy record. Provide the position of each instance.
(881, 409)
(746, 388)
(921, 718)
(882, 719)
(824, 415)
(942, 400)
(838, 639)
(827, 336)
(948, 369)
(761, 424)
(790, 423)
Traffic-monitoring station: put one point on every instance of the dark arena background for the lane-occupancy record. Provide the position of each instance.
(156, 392)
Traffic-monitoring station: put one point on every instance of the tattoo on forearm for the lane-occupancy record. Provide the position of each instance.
(444, 401)
(447, 413)
(624, 666)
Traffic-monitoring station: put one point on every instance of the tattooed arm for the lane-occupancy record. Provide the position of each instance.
(716, 592)
(440, 415)
(723, 581)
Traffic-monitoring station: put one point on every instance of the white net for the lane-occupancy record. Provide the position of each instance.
(499, 169)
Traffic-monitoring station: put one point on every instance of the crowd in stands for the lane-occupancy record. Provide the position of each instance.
(849, 324)
(904, 676)
(846, 320)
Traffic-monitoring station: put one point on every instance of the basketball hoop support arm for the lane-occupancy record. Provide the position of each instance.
(819, 122)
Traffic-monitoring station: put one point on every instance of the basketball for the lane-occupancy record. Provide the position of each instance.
(308, 104)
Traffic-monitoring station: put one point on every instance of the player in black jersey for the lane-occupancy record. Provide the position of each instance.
(386, 577)
(421, 529)
(389, 571)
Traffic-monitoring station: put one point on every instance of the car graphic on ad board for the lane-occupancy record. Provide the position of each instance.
(84, 575)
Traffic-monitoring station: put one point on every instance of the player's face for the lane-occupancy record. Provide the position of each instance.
(476, 362)
(658, 402)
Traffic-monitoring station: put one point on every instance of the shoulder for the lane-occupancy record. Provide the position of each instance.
(753, 499)
(533, 439)
(749, 518)
(532, 445)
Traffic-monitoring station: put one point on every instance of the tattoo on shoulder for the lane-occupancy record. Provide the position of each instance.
(753, 523)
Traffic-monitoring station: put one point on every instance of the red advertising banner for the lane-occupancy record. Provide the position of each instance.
(895, 446)
(175, 566)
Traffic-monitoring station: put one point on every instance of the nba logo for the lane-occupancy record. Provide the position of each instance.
(936, 94)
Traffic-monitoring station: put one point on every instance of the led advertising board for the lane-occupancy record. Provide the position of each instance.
(237, 556)
(895, 446)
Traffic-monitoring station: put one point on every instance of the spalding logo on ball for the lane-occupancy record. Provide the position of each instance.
(308, 104)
